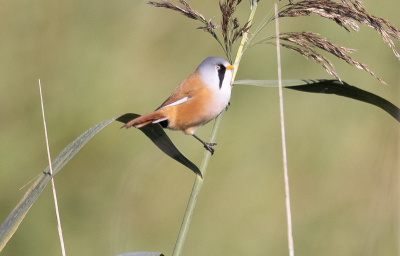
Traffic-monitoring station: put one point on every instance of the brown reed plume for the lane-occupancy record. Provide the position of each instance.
(306, 42)
(230, 27)
(346, 14)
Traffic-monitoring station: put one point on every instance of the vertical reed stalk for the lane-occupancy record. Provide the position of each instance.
(282, 117)
(198, 183)
(398, 194)
(60, 235)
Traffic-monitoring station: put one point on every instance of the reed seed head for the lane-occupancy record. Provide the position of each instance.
(230, 27)
(346, 14)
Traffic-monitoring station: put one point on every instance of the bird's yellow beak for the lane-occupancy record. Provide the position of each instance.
(230, 67)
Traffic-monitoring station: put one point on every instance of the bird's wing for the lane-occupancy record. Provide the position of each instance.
(184, 92)
(173, 103)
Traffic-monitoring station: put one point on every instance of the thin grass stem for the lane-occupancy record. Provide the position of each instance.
(282, 117)
(198, 183)
(52, 179)
(398, 198)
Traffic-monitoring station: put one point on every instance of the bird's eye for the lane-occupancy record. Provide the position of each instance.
(218, 67)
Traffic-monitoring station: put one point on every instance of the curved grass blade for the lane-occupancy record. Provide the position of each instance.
(157, 135)
(154, 132)
(331, 86)
(141, 254)
(10, 225)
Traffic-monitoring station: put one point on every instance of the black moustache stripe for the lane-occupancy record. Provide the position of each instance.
(221, 74)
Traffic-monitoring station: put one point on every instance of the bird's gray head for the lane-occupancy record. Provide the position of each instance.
(216, 72)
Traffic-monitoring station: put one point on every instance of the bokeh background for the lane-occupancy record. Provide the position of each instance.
(100, 59)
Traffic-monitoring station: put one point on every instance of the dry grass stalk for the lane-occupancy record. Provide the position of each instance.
(346, 14)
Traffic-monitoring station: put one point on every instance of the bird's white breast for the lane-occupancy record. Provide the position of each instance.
(220, 96)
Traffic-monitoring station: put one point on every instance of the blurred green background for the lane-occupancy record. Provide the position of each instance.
(100, 59)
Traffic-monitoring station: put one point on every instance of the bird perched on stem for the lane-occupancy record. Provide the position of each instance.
(196, 101)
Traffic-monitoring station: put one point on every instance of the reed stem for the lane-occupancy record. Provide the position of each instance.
(198, 183)
(284, 160)
(60, 235)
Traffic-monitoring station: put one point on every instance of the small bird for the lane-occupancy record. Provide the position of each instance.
(196, 101)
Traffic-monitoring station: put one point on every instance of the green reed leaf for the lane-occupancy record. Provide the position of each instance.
(158, 136)
(10, 225)
(153, 131)
(330, 86)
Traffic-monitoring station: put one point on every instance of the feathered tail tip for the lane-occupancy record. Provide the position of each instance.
(126, 126)
(129, 124)
(132, 123)
(144, 120)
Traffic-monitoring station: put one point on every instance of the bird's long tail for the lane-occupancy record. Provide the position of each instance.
(143, 120)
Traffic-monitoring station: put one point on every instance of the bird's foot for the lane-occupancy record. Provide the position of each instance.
(209, 147)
